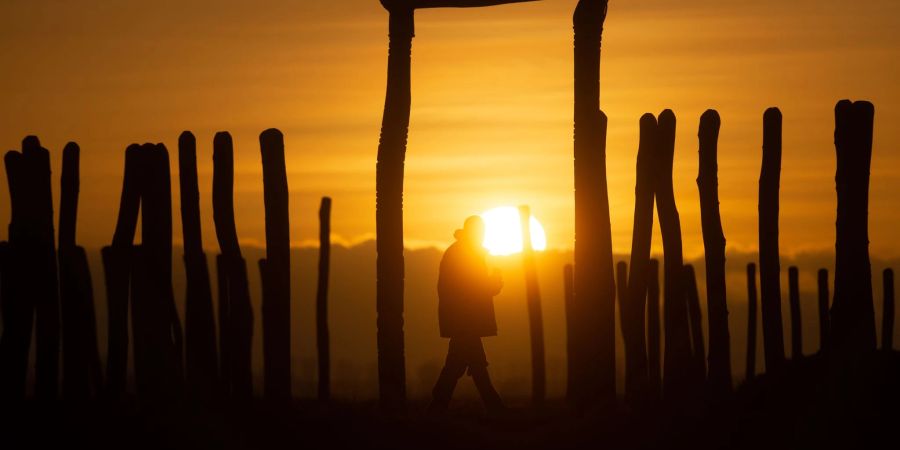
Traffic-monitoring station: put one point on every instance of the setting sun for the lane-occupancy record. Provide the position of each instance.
(503, 231)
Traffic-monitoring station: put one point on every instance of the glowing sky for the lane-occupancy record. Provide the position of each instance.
(491, 111)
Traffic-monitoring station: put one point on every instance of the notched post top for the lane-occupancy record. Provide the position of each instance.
(589, 15)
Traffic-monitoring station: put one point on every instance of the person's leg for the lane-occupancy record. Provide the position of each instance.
(477, 362)
(454, 368)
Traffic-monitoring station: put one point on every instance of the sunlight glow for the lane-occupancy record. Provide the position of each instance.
(503, 231)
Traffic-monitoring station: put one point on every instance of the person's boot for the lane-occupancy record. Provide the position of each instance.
(443, 390)
(492, 401)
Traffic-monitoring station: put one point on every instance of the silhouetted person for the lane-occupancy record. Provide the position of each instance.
(466, 314)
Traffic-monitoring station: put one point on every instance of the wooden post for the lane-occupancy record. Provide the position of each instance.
(117, 261)
(389, 212)
(696, 323)
(389, 195)
(634, 292)
(535, 317)
(322, 337)
(276, 305)
(571, 337)
(852, 311)
(677, 358)
(887, 327)
(824, 326)
(82, 377)
(714, 249)
(42, 277)
(796, 322)
(750, 372)
(654, 371)
(595, 294)
(769, 265)
(158, 339)
(201, 362)
(17, 305)
(624, 325)
(235, 311)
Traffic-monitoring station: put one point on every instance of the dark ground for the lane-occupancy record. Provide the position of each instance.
(813, 404)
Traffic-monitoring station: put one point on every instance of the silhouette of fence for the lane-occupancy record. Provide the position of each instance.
(140, 278)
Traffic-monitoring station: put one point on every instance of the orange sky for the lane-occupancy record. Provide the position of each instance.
(491, 112)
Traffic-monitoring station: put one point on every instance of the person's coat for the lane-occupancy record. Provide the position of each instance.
(465, 293)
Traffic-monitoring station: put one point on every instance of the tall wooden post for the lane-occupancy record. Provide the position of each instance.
(678, 375)
(117, 262)
(275, 270)
(323, 342)
(82, 375)
(201, 361)
(235, 311)
(714, 249)
(595, 291)
(852, 311)
(769, 264)
(535, 317)
(634, 291)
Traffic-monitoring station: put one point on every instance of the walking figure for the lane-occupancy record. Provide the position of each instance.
(466, 314)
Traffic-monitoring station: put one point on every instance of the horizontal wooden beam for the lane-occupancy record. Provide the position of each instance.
(420, 4)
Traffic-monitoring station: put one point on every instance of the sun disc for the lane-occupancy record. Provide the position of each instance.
(503, 231)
